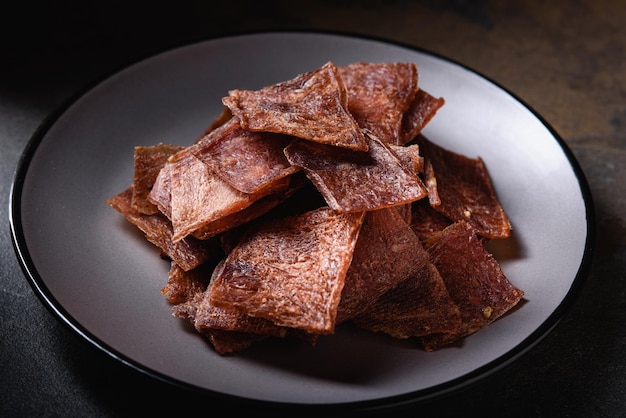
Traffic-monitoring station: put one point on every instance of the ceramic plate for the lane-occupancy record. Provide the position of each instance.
(103, 280)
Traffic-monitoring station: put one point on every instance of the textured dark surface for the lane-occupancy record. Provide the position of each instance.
(565, 60)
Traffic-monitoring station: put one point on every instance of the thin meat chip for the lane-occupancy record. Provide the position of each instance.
(292, 270)
(379, 94)
(188, 252)
(387, 252)
(422, 109)
(148, 162)
(312, 106)
(474, 279)
(465, 190)
(250, 162)
(356, 181)
(418, 306)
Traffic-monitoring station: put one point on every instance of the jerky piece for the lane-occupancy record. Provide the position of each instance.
(422, 109)
(248, 161)
(292, 270)
(379, 95)
(148, 162)
(188, 252)
(473, 278)
(465, 190)
(409, 156)
(418, 306)
(183, 285)
(386, 253)
(425, 220)
(356, 181)
(160, 195)
(312, 106)
(199, 196)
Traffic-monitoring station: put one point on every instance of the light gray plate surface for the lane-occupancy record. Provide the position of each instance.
(104, 280)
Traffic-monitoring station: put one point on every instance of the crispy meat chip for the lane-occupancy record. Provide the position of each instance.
(311, 106)
(473, 278)
(379, 95)
(291, 270)
(422, 109)
(188, 252)
(465, 190)
(425, 220)
(387, 252)
(353, 181)
(148, 162)
(183, 285)
(418, 306)
(250, 162)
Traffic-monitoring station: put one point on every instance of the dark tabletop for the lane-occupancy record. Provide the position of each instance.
(566, 60)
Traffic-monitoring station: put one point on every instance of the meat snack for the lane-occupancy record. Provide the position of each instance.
(318, 201)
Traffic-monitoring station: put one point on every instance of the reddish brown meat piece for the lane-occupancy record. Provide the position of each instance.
(250, 162)
(183, 285)
(473, 278)
(379, 94)
(465, 190)
(312, 106)
(188, 253)
(148, 162)
(292, 270)
(422, 109)
(356, 181)
(386, 253)
(425, 220)
(418, 306)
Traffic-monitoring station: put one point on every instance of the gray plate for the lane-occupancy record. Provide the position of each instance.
(103, 280)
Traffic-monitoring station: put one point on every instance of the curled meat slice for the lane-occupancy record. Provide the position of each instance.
(353, 181)
(311, 106)
(474, 279)
(291, 270)
(379, 94)
(465, 191)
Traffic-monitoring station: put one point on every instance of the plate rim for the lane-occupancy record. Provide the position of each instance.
(38, 284)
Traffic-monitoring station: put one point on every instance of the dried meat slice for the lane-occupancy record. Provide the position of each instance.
(311, 106)
(387, 252)
(183, 285)
(422, 109)
(379, 94)
(357, 181)
(199, 196)
(148, 162)
(465, 190)
(251, 162)
(474, 279)
(425, 220)
(292, 270)
(188, 252)
(418, 306)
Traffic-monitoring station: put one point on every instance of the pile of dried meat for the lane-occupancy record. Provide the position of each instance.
(316, 201)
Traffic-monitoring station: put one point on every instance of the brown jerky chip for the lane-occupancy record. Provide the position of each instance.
(422, 109)
(311, 106)
(183, 285)
(425, 220)
(409, 156)
(386, 253)
(148, 162)
(292, 270)
(418, 306)
(473, 278)
(199, 196)
(250, 162)
(379, 95)
(353, 181)
(188, 252)
(160, 195)
(465, 190)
